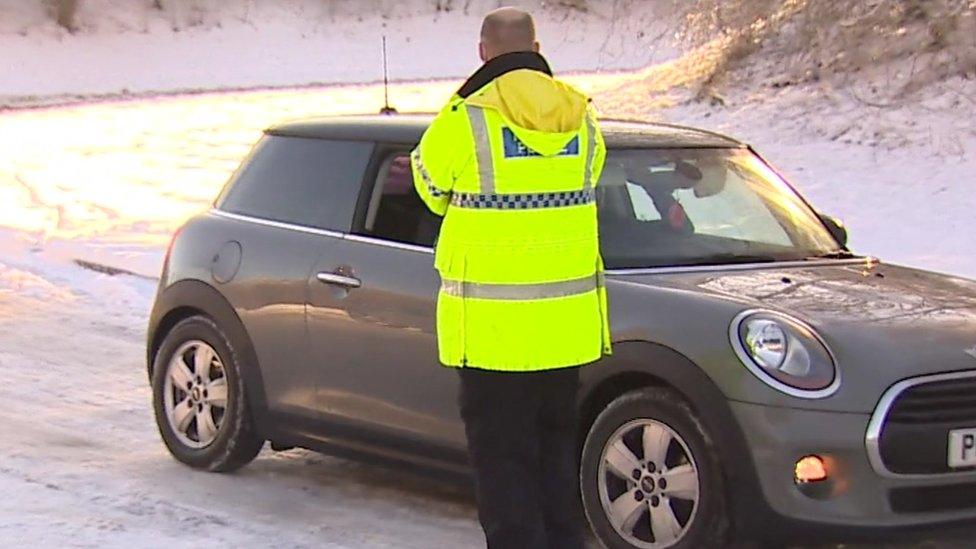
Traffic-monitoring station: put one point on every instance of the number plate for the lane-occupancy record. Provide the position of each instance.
(962, 448)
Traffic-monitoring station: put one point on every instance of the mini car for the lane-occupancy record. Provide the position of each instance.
(764, 378)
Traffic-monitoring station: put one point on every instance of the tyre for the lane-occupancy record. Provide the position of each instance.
(199, 399)
(649, 475)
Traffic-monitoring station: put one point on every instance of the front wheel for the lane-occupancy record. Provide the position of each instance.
(199, 399)
(649, 476)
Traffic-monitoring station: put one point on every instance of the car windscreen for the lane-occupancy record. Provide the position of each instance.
(672, 207)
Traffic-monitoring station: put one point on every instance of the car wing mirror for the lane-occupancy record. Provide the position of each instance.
(835, 227)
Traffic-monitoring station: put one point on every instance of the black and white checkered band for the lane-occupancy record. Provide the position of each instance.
(523, 201)
(434, 191)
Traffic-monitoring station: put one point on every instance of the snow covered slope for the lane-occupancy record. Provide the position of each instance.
(124, 46)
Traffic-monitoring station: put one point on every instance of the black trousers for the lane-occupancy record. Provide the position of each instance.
(521, 430)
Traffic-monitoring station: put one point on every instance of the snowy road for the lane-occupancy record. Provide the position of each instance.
(80, 461)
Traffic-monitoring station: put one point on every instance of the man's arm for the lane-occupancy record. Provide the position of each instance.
(434, 161)
(600, 151)
(599, 157)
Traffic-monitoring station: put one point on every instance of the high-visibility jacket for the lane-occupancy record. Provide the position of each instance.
(512, 166)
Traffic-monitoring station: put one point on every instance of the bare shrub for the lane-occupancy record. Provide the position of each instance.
(64, 13)
(837, 38)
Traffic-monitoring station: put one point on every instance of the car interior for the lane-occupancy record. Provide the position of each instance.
(655, 208)
(395, 211)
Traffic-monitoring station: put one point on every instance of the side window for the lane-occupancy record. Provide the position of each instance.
(312, 182)
(395, 211)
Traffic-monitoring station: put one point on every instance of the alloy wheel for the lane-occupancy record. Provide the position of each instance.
(648, 484)
(195, 394)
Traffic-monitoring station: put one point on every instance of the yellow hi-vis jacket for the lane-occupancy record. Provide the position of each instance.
(512, 168)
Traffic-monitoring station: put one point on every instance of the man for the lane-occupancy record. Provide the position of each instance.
(511, 162)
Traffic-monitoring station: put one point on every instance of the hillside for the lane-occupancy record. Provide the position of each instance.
(867, 106)
(130, 48)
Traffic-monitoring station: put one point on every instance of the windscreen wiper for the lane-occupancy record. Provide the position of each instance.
(837, 254)
(721, 259)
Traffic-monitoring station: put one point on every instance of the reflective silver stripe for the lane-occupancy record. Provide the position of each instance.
(590, 152)
(530, 201)
(482, 147)
(434, 191)
(520, 292)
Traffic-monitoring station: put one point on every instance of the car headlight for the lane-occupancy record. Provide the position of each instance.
(785, 353)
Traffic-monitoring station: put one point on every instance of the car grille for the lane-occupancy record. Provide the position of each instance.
(915, 432)
(937, 402)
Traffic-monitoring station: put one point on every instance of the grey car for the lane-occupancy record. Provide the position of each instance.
(764, 380)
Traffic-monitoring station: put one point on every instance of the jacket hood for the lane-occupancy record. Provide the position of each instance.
(543, 112)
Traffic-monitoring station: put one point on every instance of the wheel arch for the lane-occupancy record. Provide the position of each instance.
(639, 364)
(188, 298)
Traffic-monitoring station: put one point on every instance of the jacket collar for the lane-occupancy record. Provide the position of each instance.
(502, 64)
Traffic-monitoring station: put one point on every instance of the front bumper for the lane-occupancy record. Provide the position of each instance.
(855, 494)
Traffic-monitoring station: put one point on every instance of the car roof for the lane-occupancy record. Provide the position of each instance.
(407, 129)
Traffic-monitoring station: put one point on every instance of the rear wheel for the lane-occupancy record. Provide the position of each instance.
(199, 399)
(649, 476)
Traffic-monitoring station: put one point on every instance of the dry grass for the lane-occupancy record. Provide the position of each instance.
(883, 51)
(837, 39)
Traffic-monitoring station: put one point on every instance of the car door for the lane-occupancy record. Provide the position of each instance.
(286, 203)
(371, 317)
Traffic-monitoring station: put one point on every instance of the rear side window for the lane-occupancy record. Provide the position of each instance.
(310, 182)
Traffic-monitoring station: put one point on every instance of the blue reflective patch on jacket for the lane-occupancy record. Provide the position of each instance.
(514, 148)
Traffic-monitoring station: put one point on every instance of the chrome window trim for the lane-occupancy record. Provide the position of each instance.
(866, 261)
(389, 243)
(277, 224)
(872, 438)
(756, 370)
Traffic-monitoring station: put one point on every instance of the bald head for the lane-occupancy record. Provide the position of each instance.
(507, 30)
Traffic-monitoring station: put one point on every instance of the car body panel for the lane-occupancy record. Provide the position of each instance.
(377, 346)
(884, 322)
(268, 293)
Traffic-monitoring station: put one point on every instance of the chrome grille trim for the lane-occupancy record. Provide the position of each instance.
(872, 439)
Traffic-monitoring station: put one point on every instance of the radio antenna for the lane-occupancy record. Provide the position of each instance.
(387, 109)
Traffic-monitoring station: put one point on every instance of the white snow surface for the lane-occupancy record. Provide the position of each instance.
(124, 46)
(81, 463)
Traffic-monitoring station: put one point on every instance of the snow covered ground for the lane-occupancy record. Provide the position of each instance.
(80, 461)
(125, 46)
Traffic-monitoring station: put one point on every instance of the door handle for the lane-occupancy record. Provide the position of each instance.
(339, 280)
